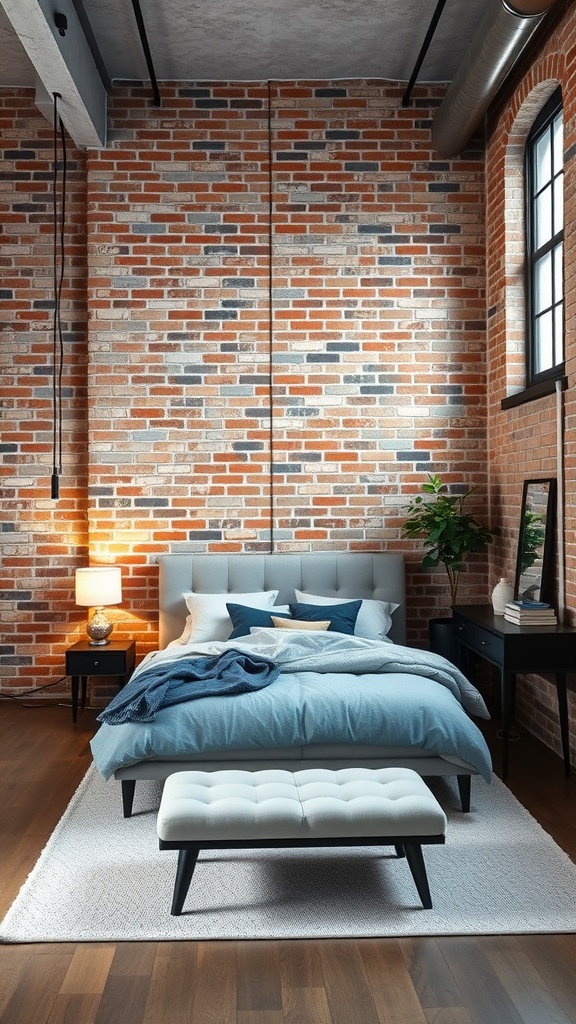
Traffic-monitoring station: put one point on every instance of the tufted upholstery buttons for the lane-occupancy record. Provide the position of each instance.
(276, 804)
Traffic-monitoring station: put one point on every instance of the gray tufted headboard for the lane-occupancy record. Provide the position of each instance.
(342, 574)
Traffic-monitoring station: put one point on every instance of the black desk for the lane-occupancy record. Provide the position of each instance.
(84, 659)
(516, 649)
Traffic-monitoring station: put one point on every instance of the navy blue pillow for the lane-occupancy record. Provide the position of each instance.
(342, 616)
(243, 618)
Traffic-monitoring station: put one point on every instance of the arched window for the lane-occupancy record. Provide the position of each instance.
(544, 234)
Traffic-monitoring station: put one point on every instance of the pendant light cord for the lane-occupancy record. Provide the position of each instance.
(58, 222)
(270, 325)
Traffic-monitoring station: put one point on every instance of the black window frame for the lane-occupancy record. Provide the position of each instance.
(543, 123)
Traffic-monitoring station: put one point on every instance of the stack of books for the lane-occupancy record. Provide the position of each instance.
(530, 613)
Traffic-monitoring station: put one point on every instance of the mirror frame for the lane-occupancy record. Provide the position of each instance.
(547, 578)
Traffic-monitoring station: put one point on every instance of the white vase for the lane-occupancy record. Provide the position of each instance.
(502, 593)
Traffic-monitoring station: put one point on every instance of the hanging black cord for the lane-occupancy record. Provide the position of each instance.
(146, 49)
(423, 51)
(58, 283)
(60, 287)
(270, 323)
(56, 368)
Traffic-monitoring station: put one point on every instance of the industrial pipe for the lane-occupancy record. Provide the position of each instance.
(500, 38)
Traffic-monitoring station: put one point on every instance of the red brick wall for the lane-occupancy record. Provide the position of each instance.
(41, 541)
(365, 294)
(522, 440)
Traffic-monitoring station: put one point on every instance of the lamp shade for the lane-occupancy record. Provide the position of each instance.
(99, 586)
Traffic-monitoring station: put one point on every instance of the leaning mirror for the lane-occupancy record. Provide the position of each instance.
(535, 559)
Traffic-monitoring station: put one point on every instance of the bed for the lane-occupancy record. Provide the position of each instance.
(340, 700)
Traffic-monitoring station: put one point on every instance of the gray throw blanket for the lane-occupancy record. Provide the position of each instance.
(188, 679)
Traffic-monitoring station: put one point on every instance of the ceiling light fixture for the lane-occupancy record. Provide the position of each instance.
(61, 22)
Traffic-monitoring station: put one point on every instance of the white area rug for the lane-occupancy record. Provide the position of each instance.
(101, 877)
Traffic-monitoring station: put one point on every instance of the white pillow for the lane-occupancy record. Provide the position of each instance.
(374, 618)
(208, 617)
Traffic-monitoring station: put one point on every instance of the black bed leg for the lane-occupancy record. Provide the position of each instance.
(128, 788)
(464, 785)
(186, 864)
(418, 868)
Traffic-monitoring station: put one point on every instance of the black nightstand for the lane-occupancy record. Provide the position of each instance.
(519, 649)
(116, 658)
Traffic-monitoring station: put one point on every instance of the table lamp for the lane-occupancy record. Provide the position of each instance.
(97, 588)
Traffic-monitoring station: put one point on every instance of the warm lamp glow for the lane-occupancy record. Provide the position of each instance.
(97, 588)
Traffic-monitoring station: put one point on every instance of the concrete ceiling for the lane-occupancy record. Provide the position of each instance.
(71, 51)
(230, 40)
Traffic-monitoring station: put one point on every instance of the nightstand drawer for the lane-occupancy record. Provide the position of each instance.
(95, 663)
(481, 640)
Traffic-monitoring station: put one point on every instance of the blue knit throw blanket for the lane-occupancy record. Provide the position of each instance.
(187, 679)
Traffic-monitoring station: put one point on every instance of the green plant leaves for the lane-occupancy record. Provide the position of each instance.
(449, 533)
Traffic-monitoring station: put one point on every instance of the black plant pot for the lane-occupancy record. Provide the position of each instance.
(443, 639)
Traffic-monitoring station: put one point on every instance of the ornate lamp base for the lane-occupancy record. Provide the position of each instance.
(99, 628)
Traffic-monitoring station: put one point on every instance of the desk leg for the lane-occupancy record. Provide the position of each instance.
(75, 680)
(465, 663)
(77, 683)
(563, 716)
(507, 684)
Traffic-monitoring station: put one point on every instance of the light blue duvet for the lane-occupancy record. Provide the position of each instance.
(332, 688)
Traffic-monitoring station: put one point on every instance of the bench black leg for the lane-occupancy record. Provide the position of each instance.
(464, 784)
(128, 789)
(186, 864)
(418, 869)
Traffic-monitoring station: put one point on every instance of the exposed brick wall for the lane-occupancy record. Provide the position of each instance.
(41, 541)
(522, 440)
(366, 296)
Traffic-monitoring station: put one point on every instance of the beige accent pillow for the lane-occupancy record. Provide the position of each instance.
(299, 623)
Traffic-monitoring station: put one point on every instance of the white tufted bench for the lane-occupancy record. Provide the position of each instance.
(312, 807)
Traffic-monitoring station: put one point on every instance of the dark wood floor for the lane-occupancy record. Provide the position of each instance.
(445, 980)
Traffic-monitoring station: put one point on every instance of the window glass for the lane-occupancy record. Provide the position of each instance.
(543, 353)
(558, 144)
(559, 332)
(542, 161)
(558, 269)
(543, 213)
(543, 277)
(558, 204)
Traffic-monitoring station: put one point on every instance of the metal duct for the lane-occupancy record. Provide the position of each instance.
(498, 41)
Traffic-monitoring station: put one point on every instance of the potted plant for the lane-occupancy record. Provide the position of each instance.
(449, 533)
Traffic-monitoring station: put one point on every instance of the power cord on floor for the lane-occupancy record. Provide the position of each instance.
(20, 697)
(33, 689)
